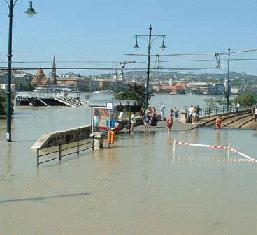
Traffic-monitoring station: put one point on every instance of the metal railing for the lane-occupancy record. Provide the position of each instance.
(209, 111)
(63, 150)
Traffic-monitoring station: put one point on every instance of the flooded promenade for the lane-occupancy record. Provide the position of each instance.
(139, 186)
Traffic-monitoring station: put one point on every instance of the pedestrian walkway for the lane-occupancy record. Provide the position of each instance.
(162, 126)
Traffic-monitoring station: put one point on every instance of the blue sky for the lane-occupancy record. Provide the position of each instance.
(105, 30)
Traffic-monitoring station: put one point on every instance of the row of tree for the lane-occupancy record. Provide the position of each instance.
(246, 99)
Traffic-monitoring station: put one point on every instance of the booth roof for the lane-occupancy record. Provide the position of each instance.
(102, 103)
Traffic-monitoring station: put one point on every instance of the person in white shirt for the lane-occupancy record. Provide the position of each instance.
(255, 114)
(237, 108)
(133, 122)
(190, 113)
(162, 111)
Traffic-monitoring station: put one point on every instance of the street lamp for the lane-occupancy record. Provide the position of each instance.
(30, 12)
(150, 38)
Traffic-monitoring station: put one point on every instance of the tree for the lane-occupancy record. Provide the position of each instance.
(133, 92)
(246, 100)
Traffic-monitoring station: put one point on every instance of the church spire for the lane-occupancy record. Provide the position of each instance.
(54, 72)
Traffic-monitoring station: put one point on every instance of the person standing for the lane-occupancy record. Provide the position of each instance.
(198, 113)
(190, 113)
(176, 113)
(237, 108)
(169, 123)
(133, 122)
(162, 111)
(255, 114)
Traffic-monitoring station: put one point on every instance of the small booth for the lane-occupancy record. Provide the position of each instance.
(110, 116)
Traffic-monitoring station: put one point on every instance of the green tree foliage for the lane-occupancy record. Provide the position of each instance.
(133, 92)
(246, 100)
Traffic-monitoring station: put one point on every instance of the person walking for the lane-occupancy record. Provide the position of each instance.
(147, 121)
(169, 123)
(218, 123)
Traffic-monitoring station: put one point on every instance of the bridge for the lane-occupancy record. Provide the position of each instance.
(50, 99)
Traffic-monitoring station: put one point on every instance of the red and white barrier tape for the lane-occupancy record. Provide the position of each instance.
(234, 150)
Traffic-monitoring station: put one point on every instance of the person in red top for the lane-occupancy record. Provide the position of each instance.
(169, 123)
(218, 123)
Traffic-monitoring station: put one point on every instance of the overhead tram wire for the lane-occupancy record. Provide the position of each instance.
(71, 61)
(194, 54)
(104, 68)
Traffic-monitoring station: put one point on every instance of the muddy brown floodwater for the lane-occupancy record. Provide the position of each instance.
(138, 186)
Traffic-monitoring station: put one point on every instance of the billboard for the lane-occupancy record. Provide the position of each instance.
(100, 119)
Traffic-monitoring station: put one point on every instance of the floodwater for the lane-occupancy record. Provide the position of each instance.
(138, 186)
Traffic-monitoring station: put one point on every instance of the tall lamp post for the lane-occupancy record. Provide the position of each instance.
(150, 38)
(30, 12)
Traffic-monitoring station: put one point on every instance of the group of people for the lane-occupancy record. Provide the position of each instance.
(193, 114)
(149, 117)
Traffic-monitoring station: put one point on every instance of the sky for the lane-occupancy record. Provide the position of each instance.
(104, 30)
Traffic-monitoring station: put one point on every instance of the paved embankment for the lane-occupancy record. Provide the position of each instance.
(244, 119)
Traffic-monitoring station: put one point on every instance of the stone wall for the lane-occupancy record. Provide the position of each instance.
(63, 137)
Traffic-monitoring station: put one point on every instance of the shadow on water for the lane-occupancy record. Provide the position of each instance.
(44, 198)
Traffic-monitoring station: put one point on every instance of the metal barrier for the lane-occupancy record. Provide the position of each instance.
(218, 110)
(63, 151)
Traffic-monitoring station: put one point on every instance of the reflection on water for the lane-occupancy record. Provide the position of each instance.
(138, 186)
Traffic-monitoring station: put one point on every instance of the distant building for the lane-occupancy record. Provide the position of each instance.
(167, 87)
(199, 88)
(234, 90)
(40, 78)
(216, 89)
(21, 80)
(71, 82)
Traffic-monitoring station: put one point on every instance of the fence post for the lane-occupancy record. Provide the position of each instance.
(60, 152)
(77, 148)
(93, 142)
(37, 157)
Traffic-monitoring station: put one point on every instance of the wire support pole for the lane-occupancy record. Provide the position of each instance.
(9, 76)
(228, 80)
(148, 67)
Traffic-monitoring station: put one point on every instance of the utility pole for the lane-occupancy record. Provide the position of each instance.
(148, 66)
(9, 77)
(228, 81)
